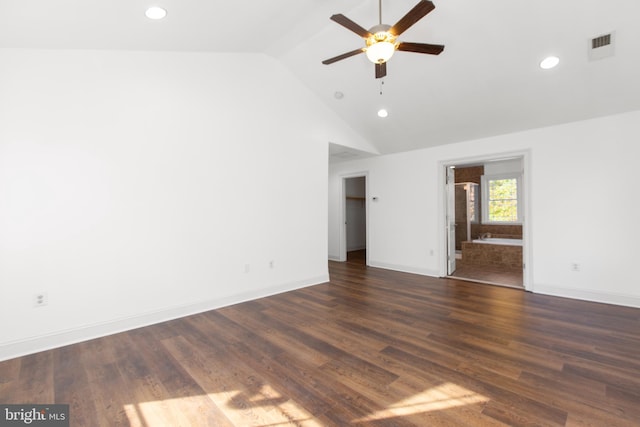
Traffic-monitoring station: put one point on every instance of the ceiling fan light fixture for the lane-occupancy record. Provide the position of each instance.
(381, 40)
(380, 47)
(380, 52)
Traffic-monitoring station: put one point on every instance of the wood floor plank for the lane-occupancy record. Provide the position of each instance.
(372, 347)
(289, 382)
(584, 399)
(221, 382)
(177, 384)
(273, 330)
(71, 384)
(486, 384)
(10, 370)
(35, 379)
(625, 380)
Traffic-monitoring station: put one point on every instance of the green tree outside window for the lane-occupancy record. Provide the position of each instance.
(503, 200)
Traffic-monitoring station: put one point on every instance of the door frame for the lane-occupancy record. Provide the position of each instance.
(343, 213)
(527, 220)
(450, 219)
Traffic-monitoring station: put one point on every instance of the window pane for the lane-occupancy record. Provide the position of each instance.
(503, 210)
(503, 189)
(503, 200)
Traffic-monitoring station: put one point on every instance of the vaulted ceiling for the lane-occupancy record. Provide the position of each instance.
(486, 82)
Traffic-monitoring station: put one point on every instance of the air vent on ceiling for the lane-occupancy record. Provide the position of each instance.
(601, 41)
(602, 46)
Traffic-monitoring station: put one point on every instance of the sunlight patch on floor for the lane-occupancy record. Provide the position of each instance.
(263, 407)
(156, 413)
(444, 396)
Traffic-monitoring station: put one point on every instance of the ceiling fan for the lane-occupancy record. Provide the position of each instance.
(381, 40)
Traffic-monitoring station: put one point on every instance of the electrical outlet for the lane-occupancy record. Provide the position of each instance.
(272, 264)
(247, 268)
(40, 299)
(575, 266)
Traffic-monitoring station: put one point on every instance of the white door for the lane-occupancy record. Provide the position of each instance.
(451, 221)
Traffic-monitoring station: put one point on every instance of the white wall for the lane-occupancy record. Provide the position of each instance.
(135, 187)
(583, 206)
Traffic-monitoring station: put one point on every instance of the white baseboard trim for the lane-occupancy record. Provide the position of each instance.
(334, 258)
(588, 295)
(405, 268)
(57, 339)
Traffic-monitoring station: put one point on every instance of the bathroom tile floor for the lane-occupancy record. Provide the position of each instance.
(490, 275)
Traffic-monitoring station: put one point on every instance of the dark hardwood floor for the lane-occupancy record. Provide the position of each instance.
(372, 347)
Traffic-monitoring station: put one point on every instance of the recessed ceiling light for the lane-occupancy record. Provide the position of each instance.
(382, 113)
(155, 13)
(549, 62)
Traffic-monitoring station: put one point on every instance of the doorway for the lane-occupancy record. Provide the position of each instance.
(485, 220)
(355, 219)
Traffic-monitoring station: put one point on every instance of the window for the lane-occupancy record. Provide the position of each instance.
(501, 199)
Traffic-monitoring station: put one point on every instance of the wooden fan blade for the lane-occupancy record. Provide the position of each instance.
(432, 49)
(414, 15)
(350, 25)
(381, 70)
(343, 56)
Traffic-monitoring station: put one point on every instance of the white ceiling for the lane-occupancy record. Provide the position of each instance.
(486, 82)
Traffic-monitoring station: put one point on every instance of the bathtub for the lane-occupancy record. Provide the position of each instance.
(500, 241)
(493, 252)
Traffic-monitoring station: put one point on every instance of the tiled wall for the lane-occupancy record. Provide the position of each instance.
(485, 254)
(470, 174)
